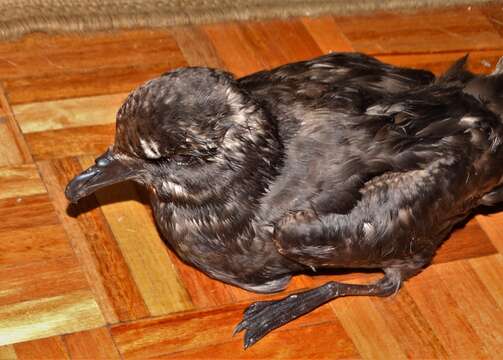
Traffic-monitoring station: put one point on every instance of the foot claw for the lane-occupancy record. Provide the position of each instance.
(255, 307)
(262, 317)
(239, 327)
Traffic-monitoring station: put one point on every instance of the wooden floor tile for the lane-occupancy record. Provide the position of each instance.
(475, 303)
(42, 67)
(327, 34)
(51, 348)
(195, 331)
(63, 85)
(489, 269)
(492, 225)
(33, 319)
(68, 113)
(8, 147)
(494, 13)
(252, 46)
(233, 48)
(12, 145)
(440, 309)
(465, 242)
(296, 43)
(19, 181)
(196, 46)
(7, 352)
(33, 244)
(94, 344)
(203, 291)
(405, 322)
(40, 280)
(436, 30)
(95, 246)
(25, 212)
(325, 341)
(360, 318)
(85, 140)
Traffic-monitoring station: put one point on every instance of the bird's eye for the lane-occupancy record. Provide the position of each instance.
(181, 159)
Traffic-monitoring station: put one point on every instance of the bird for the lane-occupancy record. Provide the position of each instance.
(341, 161)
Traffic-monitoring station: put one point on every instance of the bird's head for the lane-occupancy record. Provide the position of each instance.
(169, 132)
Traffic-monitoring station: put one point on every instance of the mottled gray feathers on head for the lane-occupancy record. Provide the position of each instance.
(187, 109)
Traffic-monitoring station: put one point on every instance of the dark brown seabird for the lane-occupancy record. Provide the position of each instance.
(337, 162)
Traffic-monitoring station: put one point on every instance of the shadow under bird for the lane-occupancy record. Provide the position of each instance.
(337, 162)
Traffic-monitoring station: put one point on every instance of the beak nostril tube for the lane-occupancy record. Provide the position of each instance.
(106, 171)
(104, 159)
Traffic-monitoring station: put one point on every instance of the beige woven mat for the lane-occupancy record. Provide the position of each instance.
(18, 17)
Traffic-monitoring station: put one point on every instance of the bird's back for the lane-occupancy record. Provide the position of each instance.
(346, 119)
(290, 91)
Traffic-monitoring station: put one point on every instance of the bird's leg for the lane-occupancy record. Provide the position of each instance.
(264, 316)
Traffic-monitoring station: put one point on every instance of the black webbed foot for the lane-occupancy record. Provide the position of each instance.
(262, 317)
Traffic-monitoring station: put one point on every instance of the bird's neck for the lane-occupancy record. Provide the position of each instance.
(248, 161)
(221, 213)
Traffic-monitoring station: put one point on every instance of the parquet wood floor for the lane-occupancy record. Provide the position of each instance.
(94, 281)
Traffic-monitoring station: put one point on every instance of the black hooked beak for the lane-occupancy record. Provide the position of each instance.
(107, 170)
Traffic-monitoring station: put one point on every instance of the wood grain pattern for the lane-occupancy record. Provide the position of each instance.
(93, 344)
(95, 246)
(252, 47)
(25, 212)
(40, 280)
(33, 244)
(467, 242)
(203, 291)
(493, 226)
(65, 85)
(326, 341)
(51, 348)
(325, 31)
(196, 47)
(296, 42)
(475, 303)
(460, 29)
(20, 180)
(12, 145)
(8, 147)
(74, 66)
(68, 113)
(95, 281)
(489, 269)
(7, 352)
(49, 316)
(494, 14)
(61, 143)
(406, 323)
(189, 331)
(233, 49)
(359, 318)
(440, 309)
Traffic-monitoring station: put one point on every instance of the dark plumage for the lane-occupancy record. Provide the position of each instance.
(341, 161)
